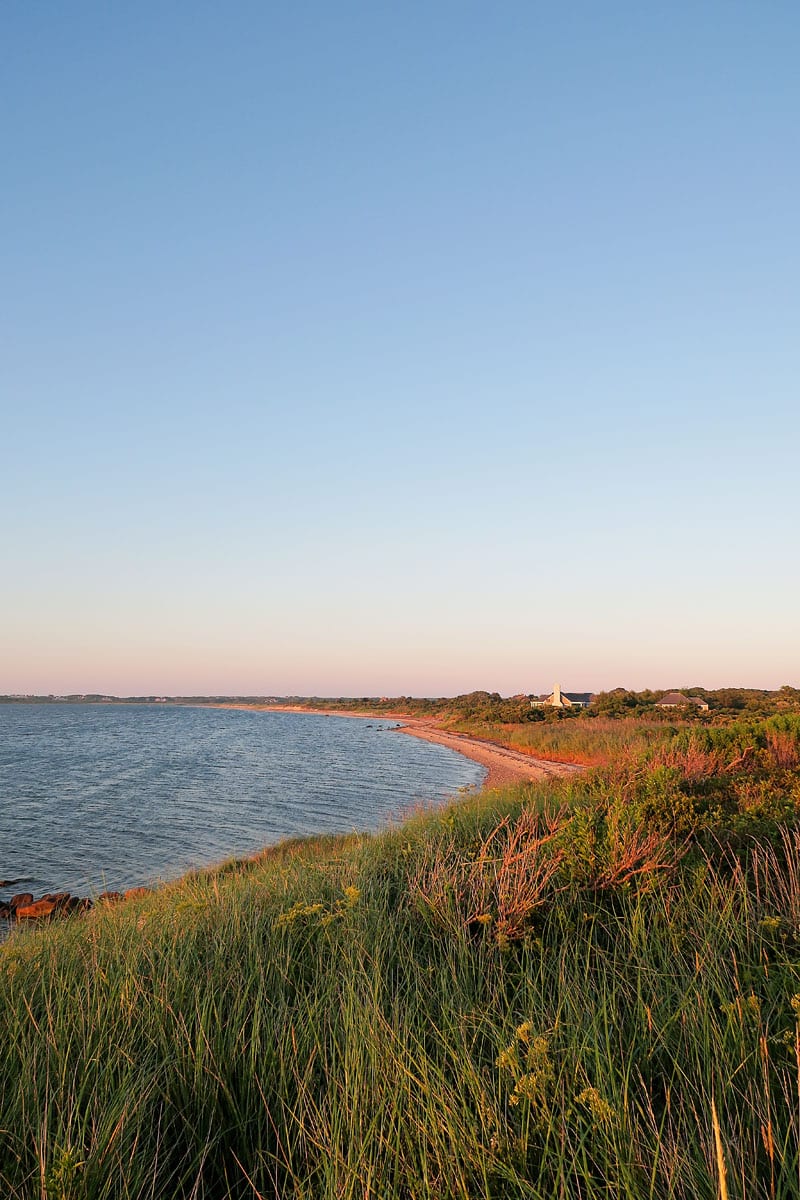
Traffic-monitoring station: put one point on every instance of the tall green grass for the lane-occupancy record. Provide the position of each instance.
(527, 994)
(589, 740)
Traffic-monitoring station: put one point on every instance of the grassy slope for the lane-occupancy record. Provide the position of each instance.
(594, 742)
(528, 994)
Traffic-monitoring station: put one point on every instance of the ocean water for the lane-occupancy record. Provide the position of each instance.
(113, 796)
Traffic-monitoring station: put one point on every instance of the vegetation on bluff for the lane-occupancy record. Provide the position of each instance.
(619, 702)
(615, 723)
(584, 989)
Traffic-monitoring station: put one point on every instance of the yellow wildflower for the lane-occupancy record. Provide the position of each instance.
(298, 910)
(600, 1109)
(507, 1059)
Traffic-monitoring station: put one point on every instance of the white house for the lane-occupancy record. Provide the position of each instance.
(559, 699)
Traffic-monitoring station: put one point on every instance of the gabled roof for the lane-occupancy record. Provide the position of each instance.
(579, 697)
(676, 698)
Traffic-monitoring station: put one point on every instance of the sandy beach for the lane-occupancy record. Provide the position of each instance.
(502, 765)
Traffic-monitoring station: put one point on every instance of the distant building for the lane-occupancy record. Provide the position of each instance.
(679, 700)
(559, 699)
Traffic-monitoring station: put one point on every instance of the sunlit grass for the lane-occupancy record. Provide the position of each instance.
(528, 994)
(595, 741)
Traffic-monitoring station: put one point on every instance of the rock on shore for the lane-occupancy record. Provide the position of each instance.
(24, 907)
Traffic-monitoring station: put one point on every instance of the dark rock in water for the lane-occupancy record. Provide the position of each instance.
(37, 910)
(6, 911)
(59, 898)
(11, 882)
(21, 899)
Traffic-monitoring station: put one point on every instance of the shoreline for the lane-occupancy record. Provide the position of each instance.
(503, 765)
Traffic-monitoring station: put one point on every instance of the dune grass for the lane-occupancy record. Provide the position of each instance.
(592, 741)
(531, 993)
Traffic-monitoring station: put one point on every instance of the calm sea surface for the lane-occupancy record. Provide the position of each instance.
(101, 796)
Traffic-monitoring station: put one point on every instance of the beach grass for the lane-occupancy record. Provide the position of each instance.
(584, 988)
(592, 741)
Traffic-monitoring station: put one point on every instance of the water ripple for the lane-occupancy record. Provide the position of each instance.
(95, 796)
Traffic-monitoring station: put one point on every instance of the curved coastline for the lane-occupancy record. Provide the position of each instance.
(503, 765)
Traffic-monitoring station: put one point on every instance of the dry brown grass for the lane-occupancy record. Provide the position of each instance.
(503, 885)
(783, 749)
(512, 874)
(636, 852)
(517, 869)
(693, 760)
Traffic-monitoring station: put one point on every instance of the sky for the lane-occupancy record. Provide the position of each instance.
(381, 349)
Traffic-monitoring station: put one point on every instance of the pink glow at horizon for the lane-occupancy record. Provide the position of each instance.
(142, 668)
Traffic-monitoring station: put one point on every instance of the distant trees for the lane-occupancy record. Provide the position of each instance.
(491, 708)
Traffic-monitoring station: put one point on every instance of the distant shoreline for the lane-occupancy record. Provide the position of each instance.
(502, 765)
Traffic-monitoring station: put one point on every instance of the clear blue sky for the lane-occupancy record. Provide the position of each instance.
(365, 348)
